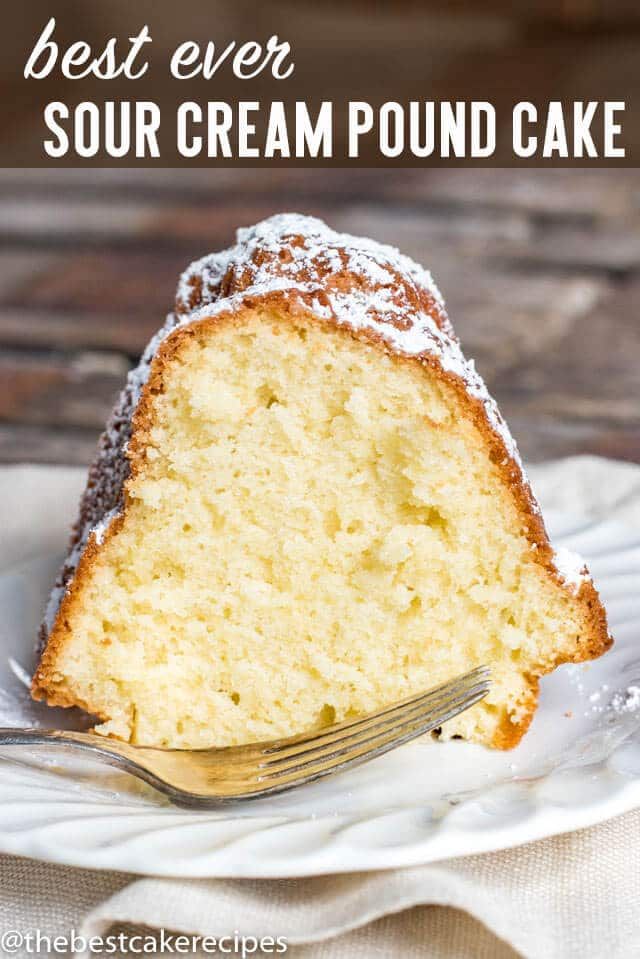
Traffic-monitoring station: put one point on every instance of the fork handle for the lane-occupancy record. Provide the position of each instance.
(12, 736)
(109, 750)
(161, 768)
(15, 736)
(113, 752)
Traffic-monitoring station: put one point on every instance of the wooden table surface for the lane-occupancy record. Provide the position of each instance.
(540, 269)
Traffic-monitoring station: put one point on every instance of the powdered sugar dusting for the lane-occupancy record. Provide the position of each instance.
(307, 243)
(571, 567)
(101, 528)
(600, 701)
(627, 701)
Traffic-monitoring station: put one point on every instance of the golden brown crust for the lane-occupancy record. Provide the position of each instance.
(302, 305)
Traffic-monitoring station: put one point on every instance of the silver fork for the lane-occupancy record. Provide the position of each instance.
(207, 777)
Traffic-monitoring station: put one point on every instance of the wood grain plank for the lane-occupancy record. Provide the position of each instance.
(557, 193)
(514, 241)
(18, 267)
(44, 444)
(552, 192)
(190, 185)
(590, 370)
(57, 391)
(32, 329)
(603, 245)
(102, 282)
(553, 436)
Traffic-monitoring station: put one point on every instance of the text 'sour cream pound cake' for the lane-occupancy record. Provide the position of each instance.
(305, 506)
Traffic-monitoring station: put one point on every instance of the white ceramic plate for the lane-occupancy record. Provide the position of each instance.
(579, 764)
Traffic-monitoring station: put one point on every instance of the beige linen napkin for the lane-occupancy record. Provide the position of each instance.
(576, 895)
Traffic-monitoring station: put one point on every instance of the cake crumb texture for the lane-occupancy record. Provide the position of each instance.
(314, 531)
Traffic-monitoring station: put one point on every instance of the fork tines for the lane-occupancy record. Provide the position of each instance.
(313, 755)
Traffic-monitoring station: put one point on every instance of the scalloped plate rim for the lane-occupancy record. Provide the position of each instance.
(382, 859)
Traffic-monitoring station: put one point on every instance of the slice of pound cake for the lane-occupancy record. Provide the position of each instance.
(305, 506)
